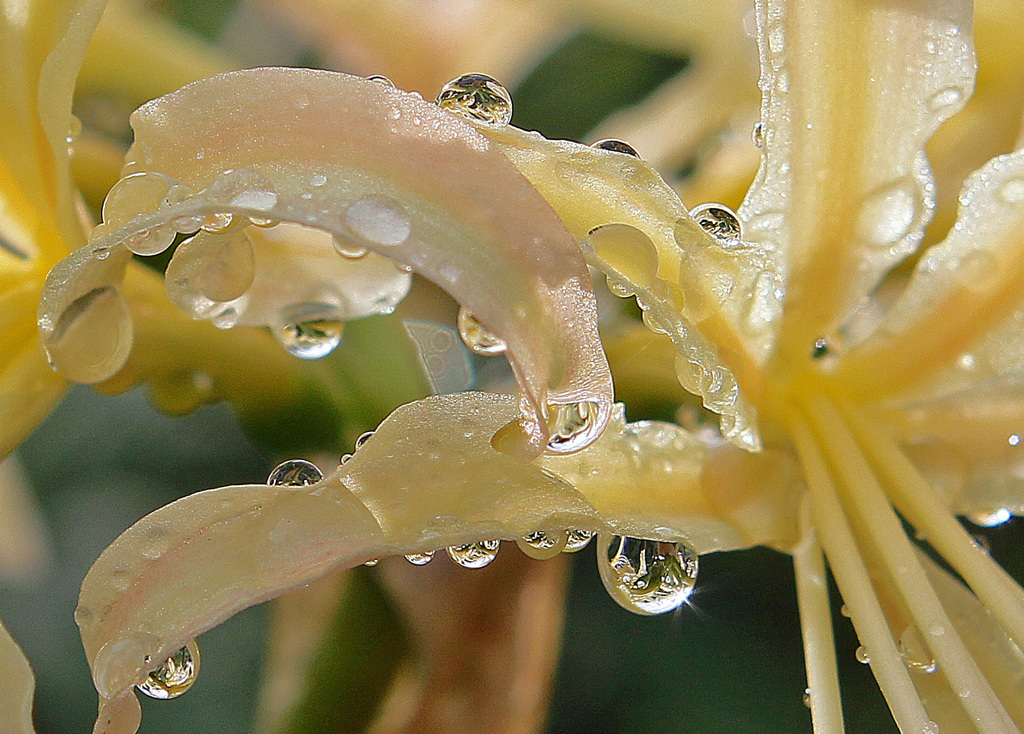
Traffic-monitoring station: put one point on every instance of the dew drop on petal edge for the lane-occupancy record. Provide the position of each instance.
(576, 540)
(478, 97)
(542, 546)
(175, 676)
(572, 426)
(295, 473)
(616, 146)
(419, 559)
(719, 221)
(309, 335)
(990, 518)
(646, 576)
(474, 555)
(477, 337)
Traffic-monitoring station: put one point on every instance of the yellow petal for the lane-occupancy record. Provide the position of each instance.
(17, 687)
(851, 93)
(389, 172)
(428, 478)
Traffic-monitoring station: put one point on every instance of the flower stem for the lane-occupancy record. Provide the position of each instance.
(816, 627)
(872, 511)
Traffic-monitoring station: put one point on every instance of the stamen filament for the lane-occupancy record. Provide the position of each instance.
(858, 593)
(816, 628)
(864, 495)
(919, 503)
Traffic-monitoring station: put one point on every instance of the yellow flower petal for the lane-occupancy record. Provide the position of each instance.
(17, 687)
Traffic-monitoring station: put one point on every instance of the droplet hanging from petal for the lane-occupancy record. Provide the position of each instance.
(309, 331)
(542, 546)
(92, 336)
(175, 676)
(646, 576)
(474, 555)
(419, 559)
(719, 221)
(574, 426)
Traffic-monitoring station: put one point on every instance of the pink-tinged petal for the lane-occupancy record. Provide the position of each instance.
(384, 170)
(17, 687)
(428, 478)
(851, 93)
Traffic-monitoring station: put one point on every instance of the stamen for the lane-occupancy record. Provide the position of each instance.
(919, 503)
(816, 627)
(863, 494)
(855, 584)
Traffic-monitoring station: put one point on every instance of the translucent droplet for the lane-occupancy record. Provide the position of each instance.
(616, 146)
(930, 727)
(646, 576)
(92, 337)
(381, 80)
(915, 653)
(151, 241)
(990, 518)
(820, 348)
(263, 223)
(1012, 191)
(228, 264)
(243, 188)
(887, 215)
(627, 250)
(845, 611)
(1014, 439)
(862, 655)
(138, 193)
(419, 559)
(363, 438)
(309, 330)
(807, 697)
(576, 540)
(474, 555)
(758, 135)
(719, 221)
(295, 473)
(478, 337)
(574, 426)
(947, 97)
(478, 97)
(540, 545)
(380, 220)
(175, 676)
(217, 222)
(349, 249)
(373, 562)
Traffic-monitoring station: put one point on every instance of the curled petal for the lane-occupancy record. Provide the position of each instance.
(428, 478)
(382, 170)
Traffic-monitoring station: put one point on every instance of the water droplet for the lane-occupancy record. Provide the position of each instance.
(627, 250)
(576, 540)
(175, 676)
(381, 80)
(1014, 439)
(349, 249)
(719, 221)
(478, 97)
(990, 518)
(138, 193)
(380, 220)
(92, 337)
(542, 546)
(646, 576)
(807, 697)
(243, 188)
(151, 241)
(820, 348)
(478, 337)
(227, 264)
(845, 611)
(263, 223)
(217, 222)
(295, 473)
(574, 426)
(1012, 191)
(474, 555)
(616, 146)
(945, 98)
(930, 727)
(363, 438)
(309, 330)
(914, 651)
(862, 655)
(372, 562)
(419, 559)
(758, 135)
(887, 215)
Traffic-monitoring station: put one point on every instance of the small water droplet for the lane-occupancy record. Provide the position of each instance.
(757, 134)
(309, 330)
(175, 675)
(914, 651)
(1014, 439)
(349, 249)
(862, 655)
(887, 215)
(381, 80)
(419, 559)
(474, 555)
(646, 576)
(930, 727)
(719, 221)
(1012, 191)
(574, 426)
(380, 220)
(945, 98)
(372, 562)
(576, 540)
(363, 438)
(478, 337)
(990, 518)
(318, 179)
(540, 545)
(845, 611)
(820, 348)
(807, 697)
(626, 249)
(217, 222)
(295, 473)
(616, 146)
(478, 97)
(263, 223)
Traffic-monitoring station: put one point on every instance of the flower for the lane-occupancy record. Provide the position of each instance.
(842, 389)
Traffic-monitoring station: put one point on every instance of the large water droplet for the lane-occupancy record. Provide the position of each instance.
(915, 653)
(474, 555)
(887, 215)
(478, 97)
(646, 576)
(861, 654)
(990, 518)
(380, 220)
(151, 241)
(92, 337)
(175, 676)
(228, 265)
(243, 188)
(574, 426)
(576, 539)
(217, 222)
(628, 250)
(616, 146)
(541, 545)
(478, 337)
(719, 221)
(309, 330)
(135, 194)
(419, 559)
(348, 249)
(295, 473)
